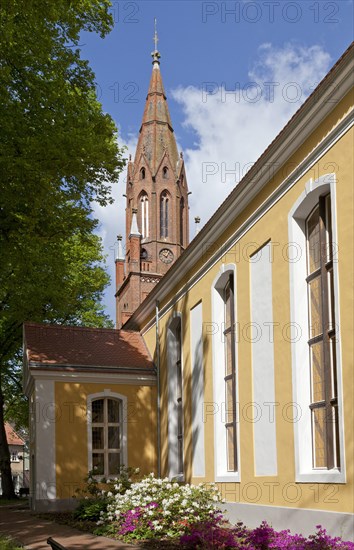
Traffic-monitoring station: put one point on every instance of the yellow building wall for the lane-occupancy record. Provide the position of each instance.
(71, 430)
(279, 490)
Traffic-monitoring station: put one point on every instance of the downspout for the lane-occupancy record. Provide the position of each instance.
(158, 391)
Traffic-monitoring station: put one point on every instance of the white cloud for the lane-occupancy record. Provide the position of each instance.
(232, 131)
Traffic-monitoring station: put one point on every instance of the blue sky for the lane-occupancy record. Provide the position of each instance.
(269, 53)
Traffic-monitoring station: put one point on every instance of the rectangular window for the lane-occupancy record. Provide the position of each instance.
(322, 334)
(106, 431)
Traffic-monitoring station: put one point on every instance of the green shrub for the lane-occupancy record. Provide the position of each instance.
(158, 508)
(7, 543)
(96, 494)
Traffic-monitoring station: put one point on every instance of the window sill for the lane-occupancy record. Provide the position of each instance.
(231, 477)
(321, 476)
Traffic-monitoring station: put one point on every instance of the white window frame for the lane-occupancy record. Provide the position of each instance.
(110, 395)
(218, 348)
(172, 385)
(304, 471)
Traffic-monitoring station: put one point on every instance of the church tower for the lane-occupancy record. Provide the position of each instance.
(157, 213)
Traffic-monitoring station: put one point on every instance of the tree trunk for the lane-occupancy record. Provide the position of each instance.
(5, 464)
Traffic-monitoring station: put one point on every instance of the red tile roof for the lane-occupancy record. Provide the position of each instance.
(11, 436)
(62, 346)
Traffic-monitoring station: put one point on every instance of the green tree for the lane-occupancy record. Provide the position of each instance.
(58, 154)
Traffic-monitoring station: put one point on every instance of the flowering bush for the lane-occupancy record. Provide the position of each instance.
(210, 535)
(157, 508)
(95, 495)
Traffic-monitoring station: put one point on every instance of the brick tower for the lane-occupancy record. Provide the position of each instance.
(157, 224)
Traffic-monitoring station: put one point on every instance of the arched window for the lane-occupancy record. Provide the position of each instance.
(164, 203)
(106, 435)
(316, 354)
(165, 172)
(142, 173)
(181, 221)
(144, 215)
(322, 335)
(225, 374)
(175, 398)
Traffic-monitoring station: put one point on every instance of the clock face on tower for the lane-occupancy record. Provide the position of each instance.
(166, 256)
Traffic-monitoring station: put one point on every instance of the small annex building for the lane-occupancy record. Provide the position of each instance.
(86, 386)
(248, 335)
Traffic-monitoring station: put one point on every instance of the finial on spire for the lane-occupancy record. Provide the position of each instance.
(134, 230)
(155, 54)
(119, 252)
(197, 222)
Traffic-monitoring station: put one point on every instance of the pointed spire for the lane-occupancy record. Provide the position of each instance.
(156, 133)
(120, 253)
(134, 230)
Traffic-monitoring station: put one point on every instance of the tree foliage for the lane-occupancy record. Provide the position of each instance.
(58, 154)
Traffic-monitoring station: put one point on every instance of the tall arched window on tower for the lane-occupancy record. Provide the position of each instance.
(144, 215)
(165, 172)
(181, 221)
(142, 173)
(164, 203)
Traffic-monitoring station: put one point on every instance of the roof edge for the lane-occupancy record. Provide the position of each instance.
(282, 142)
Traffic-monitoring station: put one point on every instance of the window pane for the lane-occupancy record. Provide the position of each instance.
(166, 218)
(228, 353)
(113, 438)
(331, 300)
(97, 438)
(180, 454)
(319, 437)
(179, 380)
(113, 463)
(97, 410)
(230, 402)
(179, 417)
(313, 235)
(329, 229)
(315, 307)
(317, 368)
(228, 302)
(231, 466)
(98, 463)
(113, 410)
